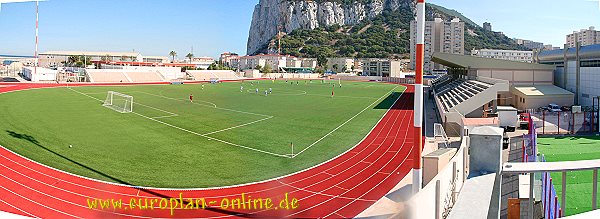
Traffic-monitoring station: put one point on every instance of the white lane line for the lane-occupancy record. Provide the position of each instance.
(23, 197)
(20, 210)
(198, 134)
(375, 173)
(351, 118)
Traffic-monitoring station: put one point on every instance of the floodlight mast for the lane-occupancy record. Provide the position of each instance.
(418, 98)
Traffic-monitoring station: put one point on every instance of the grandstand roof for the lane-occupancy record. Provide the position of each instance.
(542, 90)
(463, 61)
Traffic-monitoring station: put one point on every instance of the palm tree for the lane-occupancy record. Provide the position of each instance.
(190, 56)
(173, 54)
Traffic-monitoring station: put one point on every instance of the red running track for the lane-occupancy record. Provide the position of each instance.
(340, 188)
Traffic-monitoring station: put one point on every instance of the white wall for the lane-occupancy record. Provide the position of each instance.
(42, 74)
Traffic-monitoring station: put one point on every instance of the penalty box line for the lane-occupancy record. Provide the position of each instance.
(215, 106)
(192, 132)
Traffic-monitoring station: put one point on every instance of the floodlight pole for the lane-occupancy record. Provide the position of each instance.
(417, 180)
(35, 65)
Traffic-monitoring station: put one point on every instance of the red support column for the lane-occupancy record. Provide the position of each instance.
(543, 122)
(418, 96)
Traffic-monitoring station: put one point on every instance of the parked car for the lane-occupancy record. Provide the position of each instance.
(554, 108)
(566, 108)
(524, 121)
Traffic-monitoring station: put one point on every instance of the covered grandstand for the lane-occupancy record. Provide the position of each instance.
(124, 75)
(206, 75)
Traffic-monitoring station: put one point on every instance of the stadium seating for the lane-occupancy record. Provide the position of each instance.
(101, 75)
(145, 76)
(120, 75)
(458, 91)
(205, 75)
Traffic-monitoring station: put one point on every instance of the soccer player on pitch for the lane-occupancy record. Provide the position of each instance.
(191, 98)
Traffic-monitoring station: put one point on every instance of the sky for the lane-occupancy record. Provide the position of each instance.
(155, 27)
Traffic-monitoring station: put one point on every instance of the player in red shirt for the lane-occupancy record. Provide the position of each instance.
(191, 98)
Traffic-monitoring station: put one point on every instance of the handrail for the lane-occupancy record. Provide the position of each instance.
(535, 167)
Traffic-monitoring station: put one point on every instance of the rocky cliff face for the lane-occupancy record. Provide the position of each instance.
(310, 14)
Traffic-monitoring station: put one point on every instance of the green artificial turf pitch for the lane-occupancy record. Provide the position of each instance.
(169, 142)
(579, 183)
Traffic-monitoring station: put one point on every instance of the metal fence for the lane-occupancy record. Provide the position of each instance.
(549, 123)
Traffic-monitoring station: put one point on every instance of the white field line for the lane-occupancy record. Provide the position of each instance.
(238, 126)
(157, 109)
(195, 133)
(351, 118)
(170, 98)
(215, 106)
(161, 117)
(342, 96)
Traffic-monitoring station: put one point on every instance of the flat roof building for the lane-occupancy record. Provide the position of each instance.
(523, 78)
(576, 70)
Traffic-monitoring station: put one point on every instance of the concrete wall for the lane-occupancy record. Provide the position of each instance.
(42, 74)
(447, 183)
(519, 77)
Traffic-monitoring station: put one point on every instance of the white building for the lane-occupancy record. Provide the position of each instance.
(440, 36)
(529, 44)
(340, 64)
(57, 58)
(382, 68)
(39, 74)
(512, 55)
(201, 62)
(276, 62)
(585, 37)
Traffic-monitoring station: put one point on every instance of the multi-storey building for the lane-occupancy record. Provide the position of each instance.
(440, 36)
(584, 37)
(229, 59)
(382, 68)
(529, 44)
(277, 62)
(512, 55)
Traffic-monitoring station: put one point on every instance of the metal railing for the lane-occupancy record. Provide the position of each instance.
(552, 167)
(438, 132)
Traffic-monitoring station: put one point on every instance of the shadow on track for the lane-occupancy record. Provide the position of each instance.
(34, 141)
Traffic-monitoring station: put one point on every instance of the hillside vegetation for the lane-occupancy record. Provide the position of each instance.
(385, 36)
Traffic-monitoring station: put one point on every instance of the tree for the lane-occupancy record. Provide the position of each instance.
(105, 58)
(267, 69)
(258, 67)
(173, 54)
(133, 58)
(190, 56)
(335, 67)
(124, 58)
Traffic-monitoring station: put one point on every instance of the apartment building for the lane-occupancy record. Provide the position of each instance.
(512, 55)
(440, 37)
(382, 67)
(586, 37)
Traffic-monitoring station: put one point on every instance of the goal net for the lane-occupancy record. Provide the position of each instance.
(119, 102)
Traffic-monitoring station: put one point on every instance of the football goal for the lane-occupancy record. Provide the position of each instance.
(119, 102)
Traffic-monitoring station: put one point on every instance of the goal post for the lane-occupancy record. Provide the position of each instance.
(119, 102)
